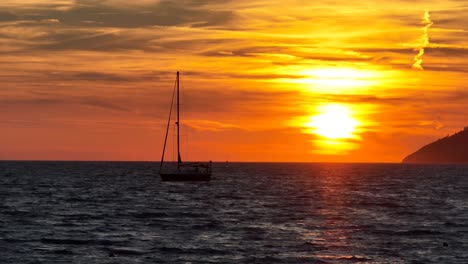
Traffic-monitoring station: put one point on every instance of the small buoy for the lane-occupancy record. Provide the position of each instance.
(445, 244)
(111, 254)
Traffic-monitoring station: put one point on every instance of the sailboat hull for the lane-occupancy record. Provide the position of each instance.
(185, 176)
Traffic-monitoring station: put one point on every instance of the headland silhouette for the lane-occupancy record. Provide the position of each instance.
(450, 149)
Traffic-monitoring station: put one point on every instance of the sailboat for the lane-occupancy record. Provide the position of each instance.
(183, 171)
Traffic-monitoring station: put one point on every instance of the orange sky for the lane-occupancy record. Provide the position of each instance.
(92, 80)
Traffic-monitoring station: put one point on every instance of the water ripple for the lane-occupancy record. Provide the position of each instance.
(113, 212)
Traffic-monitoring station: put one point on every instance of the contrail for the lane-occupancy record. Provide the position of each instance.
(425, 41)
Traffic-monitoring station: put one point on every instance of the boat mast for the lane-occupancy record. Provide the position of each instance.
(167, 129)
(179, 160)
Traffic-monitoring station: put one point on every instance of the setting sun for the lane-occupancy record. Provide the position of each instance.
(333, 122)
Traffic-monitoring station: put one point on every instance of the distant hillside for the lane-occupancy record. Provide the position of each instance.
(450, 149)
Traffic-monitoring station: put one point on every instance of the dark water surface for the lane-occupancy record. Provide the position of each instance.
(110, 212)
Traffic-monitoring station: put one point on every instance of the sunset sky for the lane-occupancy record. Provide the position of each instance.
(262, 80)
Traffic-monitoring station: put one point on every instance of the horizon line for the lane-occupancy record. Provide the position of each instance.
(219, 161)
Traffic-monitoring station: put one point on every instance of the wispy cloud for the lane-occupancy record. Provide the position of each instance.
(35, 5)
(424, 41)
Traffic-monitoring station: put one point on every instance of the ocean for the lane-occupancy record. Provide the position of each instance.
(120, 212)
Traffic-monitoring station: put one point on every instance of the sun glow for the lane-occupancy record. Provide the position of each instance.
(334, 121)
(337, 79)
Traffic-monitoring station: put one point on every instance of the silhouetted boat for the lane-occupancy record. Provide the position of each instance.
(182, 171)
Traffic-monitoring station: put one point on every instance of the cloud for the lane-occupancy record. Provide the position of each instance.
(117, 14)
(210, 125)
(162, 14)
(461, 52)
(7, 16)
(108, 26)
(37, 4)
(59, 101)
(424, 42)
(100, 77)
(120, 3)
(93, 76)
(101, 103)
(92, 40)
(290, 54)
